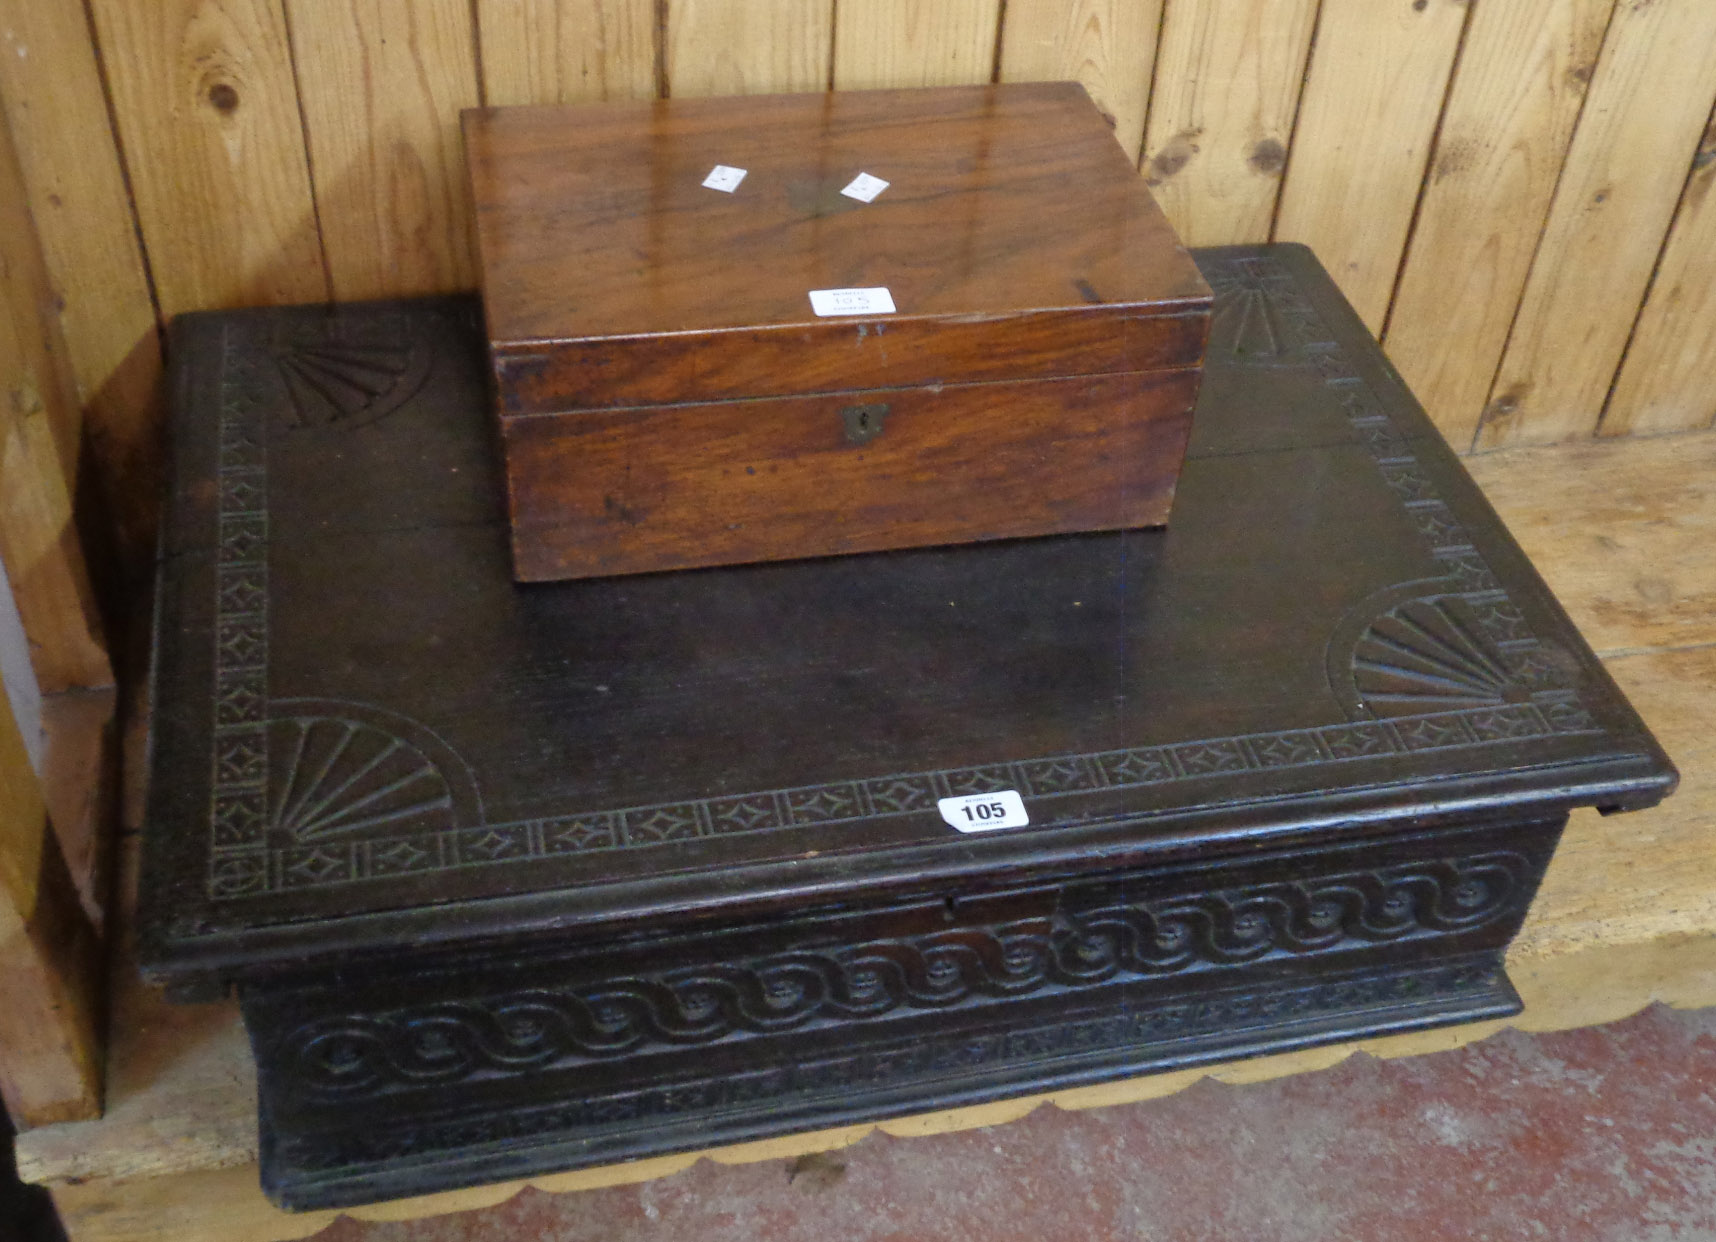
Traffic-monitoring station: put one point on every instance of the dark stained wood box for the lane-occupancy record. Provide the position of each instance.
(669, 397)
(513, 879)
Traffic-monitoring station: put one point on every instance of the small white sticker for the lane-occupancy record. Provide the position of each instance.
(724, 178)
(864, 188)
(851, 301)
(982, 812)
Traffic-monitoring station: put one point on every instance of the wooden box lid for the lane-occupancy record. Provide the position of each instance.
(1015, 239)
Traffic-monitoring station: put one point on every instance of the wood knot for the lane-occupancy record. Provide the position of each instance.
(1505, 406)
(1457, 156)
(1268, 157)
(25, 399)
(223, 98)
(1174, 156)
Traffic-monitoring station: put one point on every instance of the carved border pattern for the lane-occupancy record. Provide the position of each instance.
(358, 1057)
(1060, 776)
(1146, 1033)
(244, 864)
(238, 801)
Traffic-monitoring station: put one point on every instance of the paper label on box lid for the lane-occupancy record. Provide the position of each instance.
(724, 177)
(864, 187)
(851, 301)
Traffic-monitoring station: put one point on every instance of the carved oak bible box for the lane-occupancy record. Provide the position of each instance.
(718, 337)
(511, 881)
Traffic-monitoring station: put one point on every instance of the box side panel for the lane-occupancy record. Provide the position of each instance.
(597, 493)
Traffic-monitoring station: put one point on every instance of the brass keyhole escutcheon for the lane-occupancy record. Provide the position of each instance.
(863, 422)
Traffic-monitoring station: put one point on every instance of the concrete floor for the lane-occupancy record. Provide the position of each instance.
(1606, 1134)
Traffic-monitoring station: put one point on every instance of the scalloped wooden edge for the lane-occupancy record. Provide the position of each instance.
(1598, 984)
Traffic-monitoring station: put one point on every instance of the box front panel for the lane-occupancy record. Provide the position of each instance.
(545, 377)
(595, 493)
(502, 1065)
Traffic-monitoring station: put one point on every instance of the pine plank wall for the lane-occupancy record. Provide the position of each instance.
(1516, 194)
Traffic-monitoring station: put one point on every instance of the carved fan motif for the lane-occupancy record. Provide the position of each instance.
(1248, 316)
(1243, 314)
(337, 777)
(1423, 657)
(335, 382)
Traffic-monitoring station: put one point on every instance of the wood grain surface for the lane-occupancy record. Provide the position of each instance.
(1645, 113)
(40, 446)
(1665, 382)
(381, 85)
(50, 1040)
(1510, 115)
(207, 114)
(1373, 92)
(829, 475)
(53, 97)
(1661, 861)
(557, 51)
(894, 43)
(607, 265)
(80, 764)
(604, 286)
(1222, 108)
(1107, 45)
(1622, 531)
(748, 47)
(24, 832)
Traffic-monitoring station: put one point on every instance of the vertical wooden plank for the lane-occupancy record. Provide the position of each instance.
(39, 444)
(50, 1052)
(1226, 90)
(1510, 116)
(75, 186)
(1109, 45)
(1378, 76)
(20, 675)
(748, 47)
(566, 51)
(1665, 382)
(80, 769)
(1625, 170)
(382, 83)
(208, 121)
(39, 545)
(893, 43)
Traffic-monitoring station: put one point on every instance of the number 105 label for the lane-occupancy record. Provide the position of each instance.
(982, 812)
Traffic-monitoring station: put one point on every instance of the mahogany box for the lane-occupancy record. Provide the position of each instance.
(515, 879)
(697, 368)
